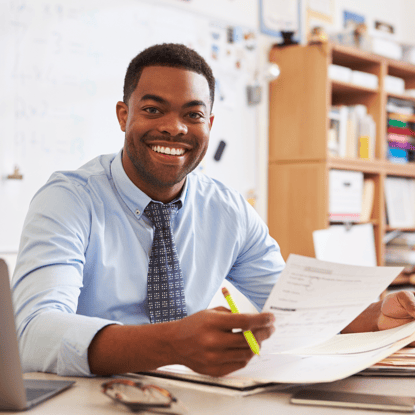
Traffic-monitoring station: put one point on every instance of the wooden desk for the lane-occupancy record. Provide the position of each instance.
(85, 397)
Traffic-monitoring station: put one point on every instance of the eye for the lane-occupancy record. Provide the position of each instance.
(152, 110)
(195, 115)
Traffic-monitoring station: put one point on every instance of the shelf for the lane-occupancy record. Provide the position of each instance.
(390, 229)
(299, 160)
(403, 170)
(374, 222)
(364, 165)
(401, 69)
(373, 166)
(348, 88)
(402, 96)
(354, 58)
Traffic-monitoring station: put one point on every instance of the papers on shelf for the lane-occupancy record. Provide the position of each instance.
(345, 195)
(340, 73)
(365, 79)
(353, 246)
(400, 202)
(394, 85)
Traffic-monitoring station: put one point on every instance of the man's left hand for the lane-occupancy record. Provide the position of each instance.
(396, 309)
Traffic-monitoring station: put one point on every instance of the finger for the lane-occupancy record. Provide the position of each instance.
(386, 322)
(228, 341)
(399, 305)
(407, 301)
(263, 333)
(245, 321)
(222, 309)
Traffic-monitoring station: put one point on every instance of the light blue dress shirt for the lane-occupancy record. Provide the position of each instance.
(85, 249)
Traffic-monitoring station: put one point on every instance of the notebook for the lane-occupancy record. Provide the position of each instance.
(17, 393)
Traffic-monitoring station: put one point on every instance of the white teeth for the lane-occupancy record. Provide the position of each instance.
(168, 150)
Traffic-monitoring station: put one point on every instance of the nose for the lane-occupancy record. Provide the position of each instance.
(173, 125)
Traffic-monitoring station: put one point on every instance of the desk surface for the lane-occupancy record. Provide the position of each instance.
(85, 397)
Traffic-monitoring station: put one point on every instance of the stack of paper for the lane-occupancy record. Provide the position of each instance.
(402, 358)
(400, 251)
(313, 301)
(400, 363)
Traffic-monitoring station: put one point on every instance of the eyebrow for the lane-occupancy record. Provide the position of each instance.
(151, 97)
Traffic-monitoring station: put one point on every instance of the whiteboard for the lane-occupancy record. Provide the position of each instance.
(63, 73)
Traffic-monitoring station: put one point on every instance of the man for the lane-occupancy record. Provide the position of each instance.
(83, 285)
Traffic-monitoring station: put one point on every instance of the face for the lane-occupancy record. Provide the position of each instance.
(167, 124)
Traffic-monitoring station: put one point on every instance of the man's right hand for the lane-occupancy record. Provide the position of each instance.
(205, 343)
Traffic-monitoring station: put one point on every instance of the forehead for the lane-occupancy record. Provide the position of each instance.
(172, 84)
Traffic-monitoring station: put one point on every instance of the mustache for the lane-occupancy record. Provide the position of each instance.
(172, 139)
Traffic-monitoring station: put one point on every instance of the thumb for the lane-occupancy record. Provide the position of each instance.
(222, 309)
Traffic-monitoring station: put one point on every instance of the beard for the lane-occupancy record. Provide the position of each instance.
(156, 176)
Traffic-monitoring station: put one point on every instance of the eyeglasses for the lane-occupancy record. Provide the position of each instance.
(140, 397)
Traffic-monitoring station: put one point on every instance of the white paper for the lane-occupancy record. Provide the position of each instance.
(359, 342)
(314, 300)
(342, 357)
(321, 6)
(399, 193)
(287, 368)
(280, 15)
(345, 195)
(353, 246)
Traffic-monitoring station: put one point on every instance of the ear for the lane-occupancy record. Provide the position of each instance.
(211, 118)
(122, 114)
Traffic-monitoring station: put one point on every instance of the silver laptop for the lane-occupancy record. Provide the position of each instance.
(17, 393)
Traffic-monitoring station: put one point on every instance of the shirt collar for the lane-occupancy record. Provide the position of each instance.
(133, 197)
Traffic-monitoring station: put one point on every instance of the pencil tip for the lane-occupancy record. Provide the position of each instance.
(225, 291)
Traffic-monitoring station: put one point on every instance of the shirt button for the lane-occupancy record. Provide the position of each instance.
(137, 212)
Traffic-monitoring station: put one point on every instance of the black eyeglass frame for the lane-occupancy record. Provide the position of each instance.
(135, 406)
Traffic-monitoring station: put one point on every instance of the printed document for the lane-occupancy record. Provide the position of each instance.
(313, 301)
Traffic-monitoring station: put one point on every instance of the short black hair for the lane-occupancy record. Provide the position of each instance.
(173, 55)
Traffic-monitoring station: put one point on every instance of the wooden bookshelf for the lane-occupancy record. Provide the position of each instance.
(299, 160)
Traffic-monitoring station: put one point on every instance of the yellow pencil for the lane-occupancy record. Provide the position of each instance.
(253, 344)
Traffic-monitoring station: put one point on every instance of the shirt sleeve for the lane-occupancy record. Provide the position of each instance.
(48, 279)
(259, 262)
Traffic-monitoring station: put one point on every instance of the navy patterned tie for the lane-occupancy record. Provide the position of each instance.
(165, 289)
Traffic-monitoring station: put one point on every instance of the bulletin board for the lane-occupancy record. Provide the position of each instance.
(62, 72)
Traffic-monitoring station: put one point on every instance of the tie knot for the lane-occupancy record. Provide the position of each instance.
(161, 214)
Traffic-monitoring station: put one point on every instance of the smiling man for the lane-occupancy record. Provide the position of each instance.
(140, 237)
(87, 282)
(166, 130)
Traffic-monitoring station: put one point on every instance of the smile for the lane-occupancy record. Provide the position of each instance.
(168, 150)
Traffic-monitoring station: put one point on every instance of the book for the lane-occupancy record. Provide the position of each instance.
(399, 255)
(403, 239)
(337, 132)
(367, 199)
